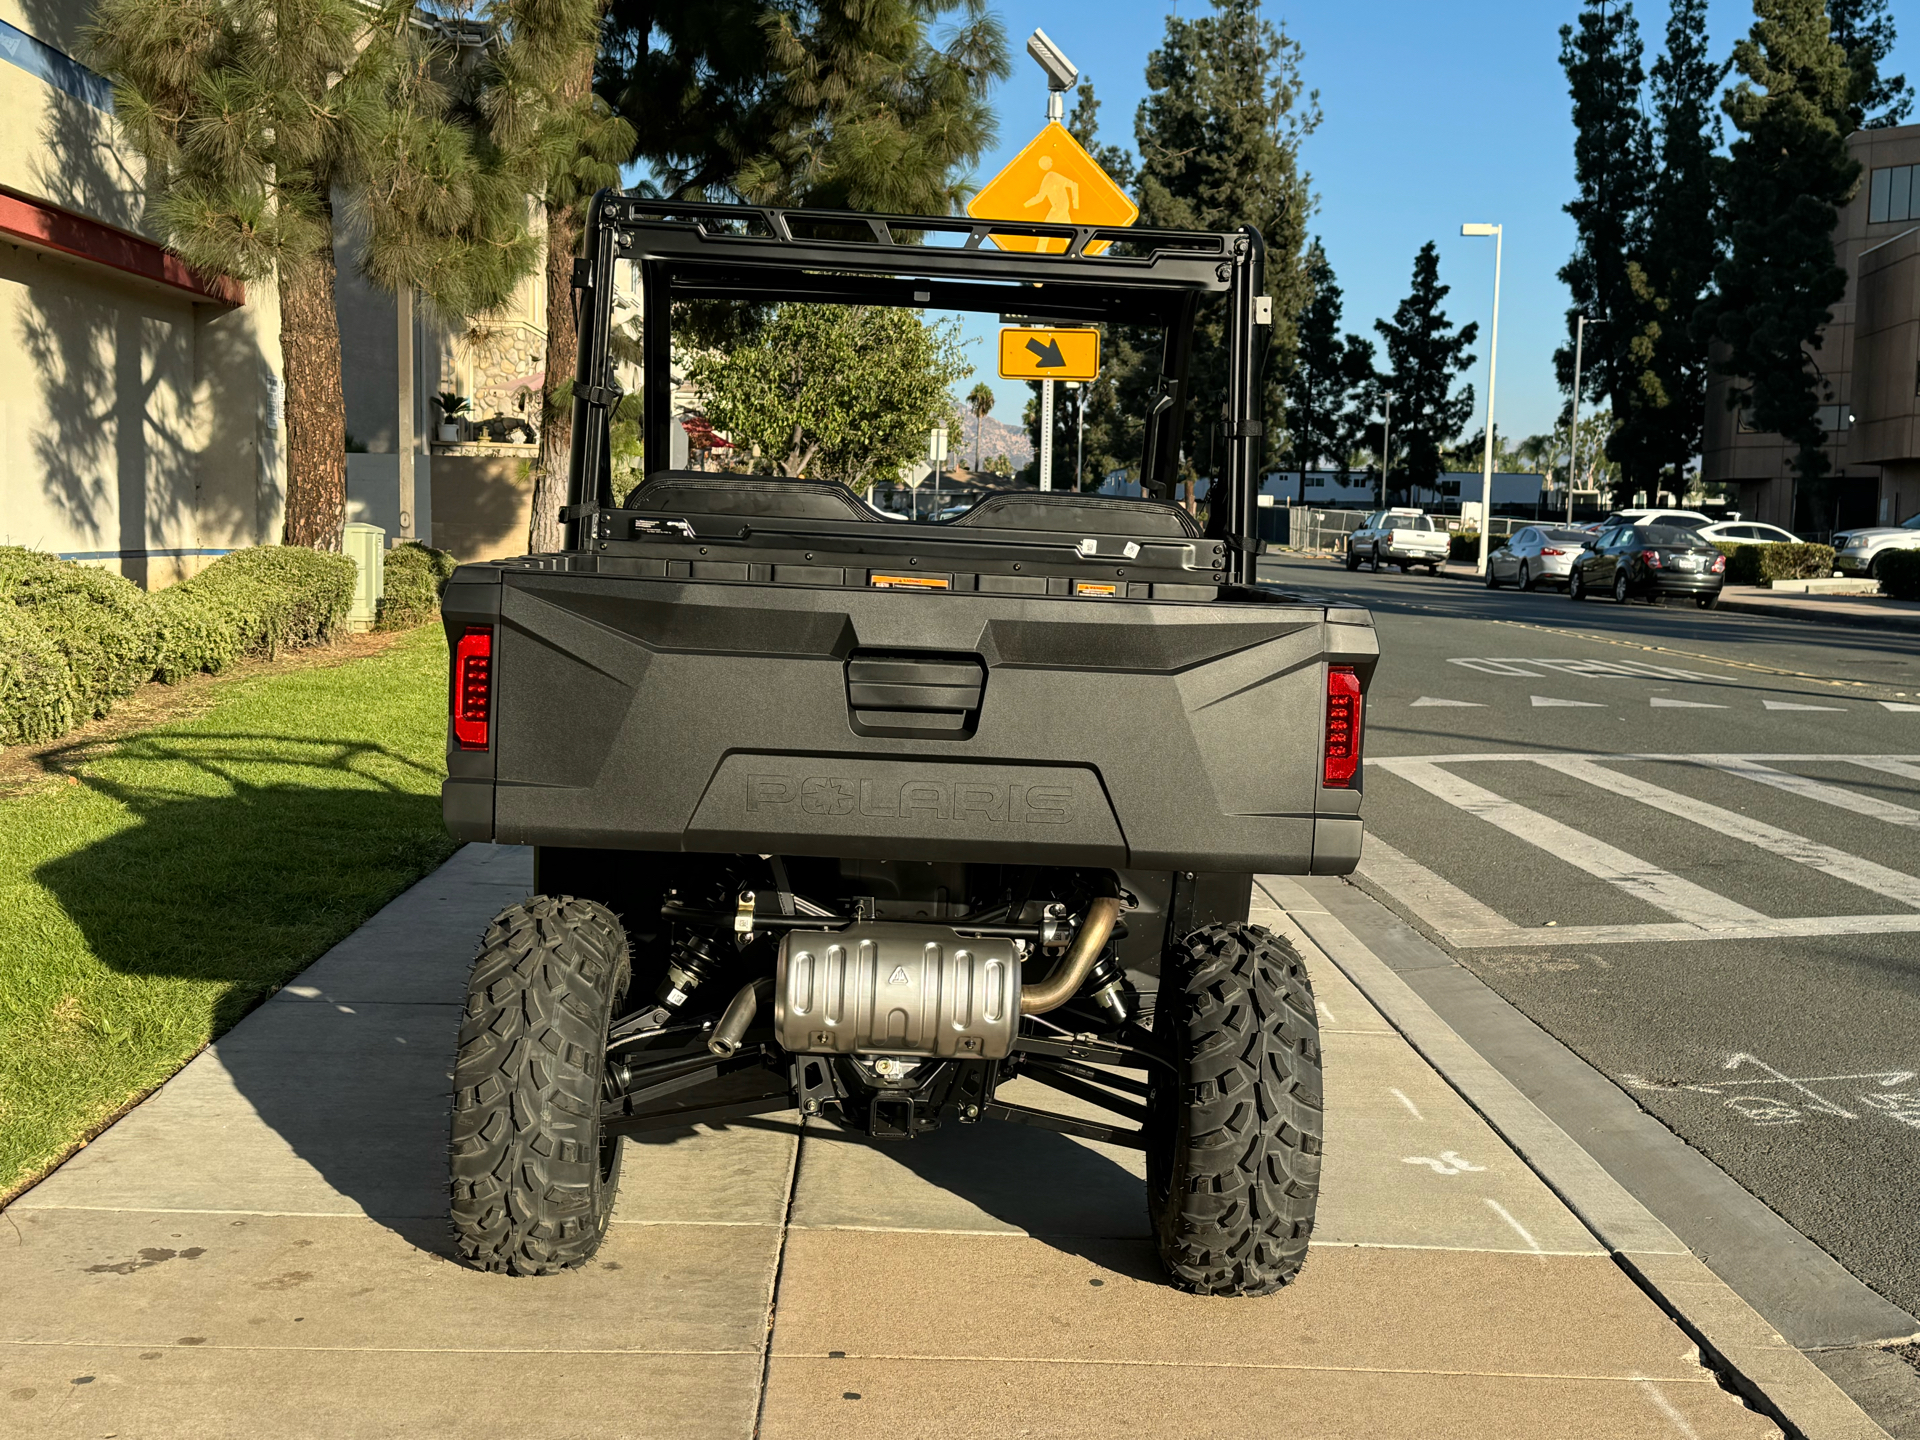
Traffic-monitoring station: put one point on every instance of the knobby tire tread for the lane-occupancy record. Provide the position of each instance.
(532, 1182)
(1234, 1156)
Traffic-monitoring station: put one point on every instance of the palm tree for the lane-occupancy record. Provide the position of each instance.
(980, 400)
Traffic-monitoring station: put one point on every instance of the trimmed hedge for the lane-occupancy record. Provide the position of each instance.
(74, 639)
(1759, 564)
(1899, 572)
(415, 576)
(1464, 545)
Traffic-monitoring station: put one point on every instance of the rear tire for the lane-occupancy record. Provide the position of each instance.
(1621, 587)
(1524, 580)
(1234, 1147)
(533, 1179)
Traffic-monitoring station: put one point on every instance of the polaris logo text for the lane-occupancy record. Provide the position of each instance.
(913, 800)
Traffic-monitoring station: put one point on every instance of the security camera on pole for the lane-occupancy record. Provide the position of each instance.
(1061, 76)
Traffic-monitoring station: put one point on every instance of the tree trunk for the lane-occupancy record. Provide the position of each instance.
(316, 412)
(544, 530)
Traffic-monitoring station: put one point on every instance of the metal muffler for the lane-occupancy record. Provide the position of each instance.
(897, 988)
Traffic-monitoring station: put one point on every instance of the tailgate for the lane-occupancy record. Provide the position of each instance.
(677, 715)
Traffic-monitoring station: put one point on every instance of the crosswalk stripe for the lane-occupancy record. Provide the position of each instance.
(1792, 705)
(1900, 705)
(1548, 700)
(1436, 900)
(1888, 765)
(1790, 928)
(1871, 806)
(1868, 875)
(1664, 890)
(1663, 702)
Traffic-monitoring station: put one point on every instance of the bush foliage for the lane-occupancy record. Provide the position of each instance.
(74, 639)
(1760, 564)
(415, 576)
(1464, 545)
(1899, 571)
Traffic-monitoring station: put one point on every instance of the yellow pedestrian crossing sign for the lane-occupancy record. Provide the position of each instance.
(1052, 354)
(1054, 181)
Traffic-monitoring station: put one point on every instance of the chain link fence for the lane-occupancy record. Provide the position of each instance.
(1301, 527)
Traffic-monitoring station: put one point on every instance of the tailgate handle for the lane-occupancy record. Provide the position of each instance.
(914, 692)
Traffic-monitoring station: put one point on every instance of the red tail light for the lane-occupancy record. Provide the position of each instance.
(1653, 559)
(1720, 564)
(1341, 750)
(1550, 550)
(473, 686)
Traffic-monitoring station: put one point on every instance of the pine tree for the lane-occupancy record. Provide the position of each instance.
(256, 118)
(1424, 355)
(1601, 56)
(1775, 291)
(1219, 136)
(1865, 31)
(1675, 253)
(1331, 375)
(866, 113)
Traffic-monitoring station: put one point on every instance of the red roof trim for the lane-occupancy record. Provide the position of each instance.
(48, 227)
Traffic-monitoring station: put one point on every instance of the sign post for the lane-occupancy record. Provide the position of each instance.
(1053, 181)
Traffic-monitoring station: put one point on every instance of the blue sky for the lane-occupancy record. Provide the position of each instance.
(1436, 112)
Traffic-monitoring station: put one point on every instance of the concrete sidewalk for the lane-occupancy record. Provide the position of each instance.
(260, 1250)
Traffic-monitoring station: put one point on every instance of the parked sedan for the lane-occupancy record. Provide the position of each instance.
(1655, 561)
(1538, 555)
(1748, 532)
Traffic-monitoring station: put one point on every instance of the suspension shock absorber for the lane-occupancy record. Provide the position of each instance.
(693, 961)
(1113, 992)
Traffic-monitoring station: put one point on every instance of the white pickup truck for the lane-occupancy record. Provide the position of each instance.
(1404, 537)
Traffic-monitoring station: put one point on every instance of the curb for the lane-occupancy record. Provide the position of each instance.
(1895, 620)
(1734, 1339)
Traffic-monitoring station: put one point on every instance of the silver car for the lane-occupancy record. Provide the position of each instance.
(1537, 555)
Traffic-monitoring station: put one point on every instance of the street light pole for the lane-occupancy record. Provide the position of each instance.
(1387, 440)
(1574, 426)
(1493, 353)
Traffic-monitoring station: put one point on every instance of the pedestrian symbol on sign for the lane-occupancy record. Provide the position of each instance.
(1053, 180)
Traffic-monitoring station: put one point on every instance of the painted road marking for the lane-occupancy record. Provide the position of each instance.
(1599, 669)
(1465, 923)
(1436, 700)
(1664, 702)
(1662, 889)
(1871, 806)
(1519, 1230)
(1413, 1109)
(1886, 1095)
(1449, 1164)
(1439, 902)
(1790, 705)
(1868, 875)
(1898, 705)
(1548, 700)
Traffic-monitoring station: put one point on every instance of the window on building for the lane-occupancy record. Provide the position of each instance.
(1892, 195)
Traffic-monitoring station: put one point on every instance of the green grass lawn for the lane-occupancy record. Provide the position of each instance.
(196, 866)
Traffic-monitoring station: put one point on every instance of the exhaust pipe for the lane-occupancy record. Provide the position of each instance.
(1059, 988)
(738, 1016)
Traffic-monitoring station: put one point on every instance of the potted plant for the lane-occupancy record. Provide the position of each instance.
(454, 407)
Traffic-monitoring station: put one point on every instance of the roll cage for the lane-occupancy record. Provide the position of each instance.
(1139, 277)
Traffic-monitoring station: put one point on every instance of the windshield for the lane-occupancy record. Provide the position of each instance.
(1566, 537)
(1668, 534)
(1910, 522)
(1410, 522)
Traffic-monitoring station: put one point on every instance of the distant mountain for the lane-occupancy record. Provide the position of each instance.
(997, 438)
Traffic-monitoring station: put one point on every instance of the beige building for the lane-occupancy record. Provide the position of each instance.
(140, 403)
(1867, 357)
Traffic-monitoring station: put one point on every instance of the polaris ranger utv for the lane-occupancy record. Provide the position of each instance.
(867, 818)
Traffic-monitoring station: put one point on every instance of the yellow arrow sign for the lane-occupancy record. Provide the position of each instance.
(1050, 354)
(1054, 181)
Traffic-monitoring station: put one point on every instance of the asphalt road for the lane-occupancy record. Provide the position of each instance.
(1686, 846)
